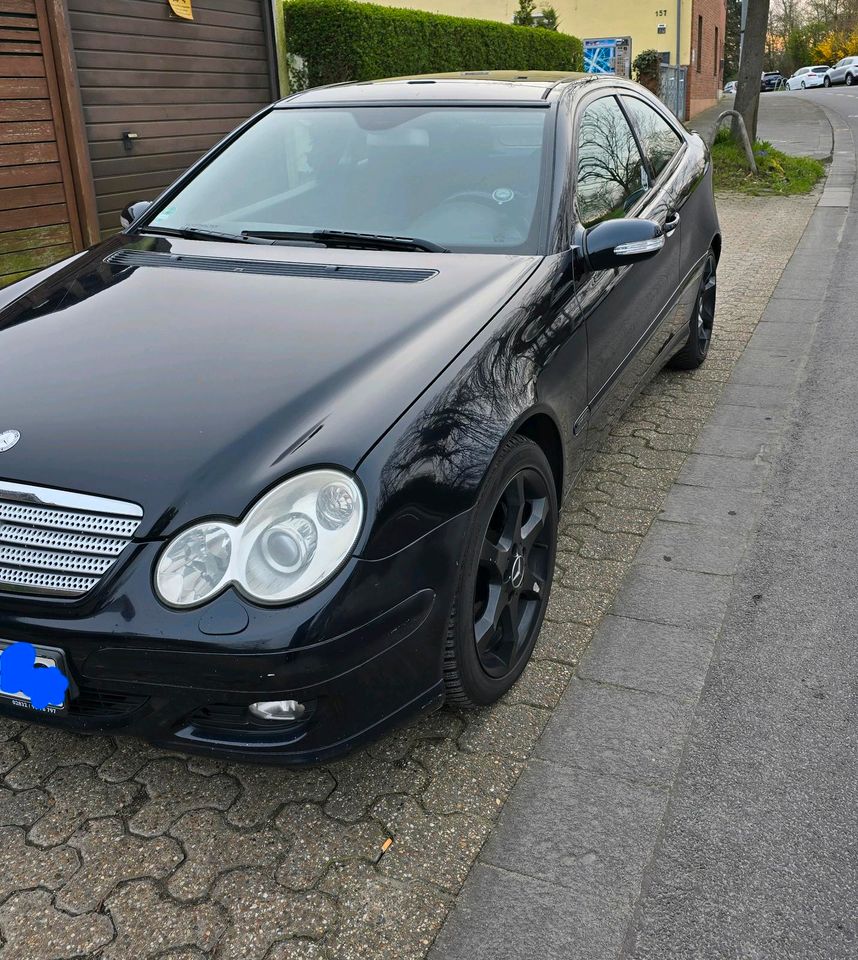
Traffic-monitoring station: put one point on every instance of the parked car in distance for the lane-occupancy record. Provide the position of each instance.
(282, 461)
(771, 81)
(730, 86)
(844, 71)
(807, 77)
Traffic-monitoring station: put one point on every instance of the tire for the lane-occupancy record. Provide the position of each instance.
(803, 85)
(502, 594)
(849, 80)
(696, 348)
(826, 82)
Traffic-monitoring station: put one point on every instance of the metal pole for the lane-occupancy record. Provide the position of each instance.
(678, 110)
(743, 131)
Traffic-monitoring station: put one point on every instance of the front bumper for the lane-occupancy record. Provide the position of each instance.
(362, 654)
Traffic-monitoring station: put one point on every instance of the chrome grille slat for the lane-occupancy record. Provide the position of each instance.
(58, 543)
(66, 520)
(33, 581)
(58, 562)
(56, 539)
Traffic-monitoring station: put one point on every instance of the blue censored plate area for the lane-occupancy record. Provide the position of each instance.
(33, 676)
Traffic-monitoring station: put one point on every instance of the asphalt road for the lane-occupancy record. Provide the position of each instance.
(758, 855)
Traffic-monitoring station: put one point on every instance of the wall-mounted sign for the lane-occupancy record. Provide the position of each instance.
(608, 55)
(182, 8)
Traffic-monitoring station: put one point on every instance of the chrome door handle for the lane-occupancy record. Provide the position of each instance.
(671, 223)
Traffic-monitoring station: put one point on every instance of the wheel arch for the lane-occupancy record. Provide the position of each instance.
(541, 428)
(716, 247)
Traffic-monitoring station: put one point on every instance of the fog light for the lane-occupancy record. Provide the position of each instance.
(278, 710)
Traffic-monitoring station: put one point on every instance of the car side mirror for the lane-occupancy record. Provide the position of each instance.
(133, 212)
(617, 243)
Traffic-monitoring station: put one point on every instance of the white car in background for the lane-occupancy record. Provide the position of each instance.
(844, 71)
(730, 86)
(806, 77)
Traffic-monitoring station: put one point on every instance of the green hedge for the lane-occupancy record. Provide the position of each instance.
(339, 40)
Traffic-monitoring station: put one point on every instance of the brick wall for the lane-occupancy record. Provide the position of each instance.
(705, 75)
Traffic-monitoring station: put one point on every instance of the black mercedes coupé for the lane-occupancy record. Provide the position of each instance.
(281, 462)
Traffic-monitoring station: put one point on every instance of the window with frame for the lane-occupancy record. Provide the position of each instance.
(659, 141)
(611, 176)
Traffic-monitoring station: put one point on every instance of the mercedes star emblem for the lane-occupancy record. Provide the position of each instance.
(8, 439)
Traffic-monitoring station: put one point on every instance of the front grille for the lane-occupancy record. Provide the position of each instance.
(58, 543)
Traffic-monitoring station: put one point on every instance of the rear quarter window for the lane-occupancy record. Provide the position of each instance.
(659, 140)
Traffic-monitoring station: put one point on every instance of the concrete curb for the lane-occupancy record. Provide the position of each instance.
(841, 175)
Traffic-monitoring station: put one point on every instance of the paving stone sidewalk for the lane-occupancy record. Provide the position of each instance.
(113, 849)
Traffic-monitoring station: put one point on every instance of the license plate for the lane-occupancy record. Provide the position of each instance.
(45, 657)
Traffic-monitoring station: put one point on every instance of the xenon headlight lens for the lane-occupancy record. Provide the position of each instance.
(290, 543)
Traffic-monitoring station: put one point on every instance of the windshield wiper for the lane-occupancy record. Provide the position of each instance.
(347, 238)
(201, 233)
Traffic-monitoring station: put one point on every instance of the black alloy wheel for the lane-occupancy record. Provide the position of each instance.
(702, 321)
(506, 576)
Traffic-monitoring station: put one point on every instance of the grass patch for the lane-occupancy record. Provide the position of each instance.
(778, 172)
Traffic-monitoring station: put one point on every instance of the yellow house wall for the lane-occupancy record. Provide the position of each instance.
(587, 19)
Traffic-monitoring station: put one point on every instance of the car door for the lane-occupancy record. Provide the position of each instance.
(623, 309)
(838, 72)
(674, 182)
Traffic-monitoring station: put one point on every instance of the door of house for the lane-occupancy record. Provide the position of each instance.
(158, 90)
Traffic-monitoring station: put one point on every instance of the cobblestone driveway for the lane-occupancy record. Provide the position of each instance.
(113, 849)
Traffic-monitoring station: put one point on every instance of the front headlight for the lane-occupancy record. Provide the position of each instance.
(291, 542)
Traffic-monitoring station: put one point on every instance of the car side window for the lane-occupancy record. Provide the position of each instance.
(611, 175)
(660, 142)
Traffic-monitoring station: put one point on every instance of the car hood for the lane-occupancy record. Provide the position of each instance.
(188, 386)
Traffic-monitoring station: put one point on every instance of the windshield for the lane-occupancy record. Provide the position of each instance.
(465, 178)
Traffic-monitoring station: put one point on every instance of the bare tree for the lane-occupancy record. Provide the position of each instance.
(751, 65)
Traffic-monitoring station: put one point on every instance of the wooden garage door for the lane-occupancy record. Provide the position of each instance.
(38, 214)
(179, 85)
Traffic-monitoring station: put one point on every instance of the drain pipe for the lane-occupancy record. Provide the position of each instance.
(679, 106)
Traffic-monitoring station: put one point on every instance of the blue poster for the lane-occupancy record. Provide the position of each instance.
(599, 56)
(608, 55)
